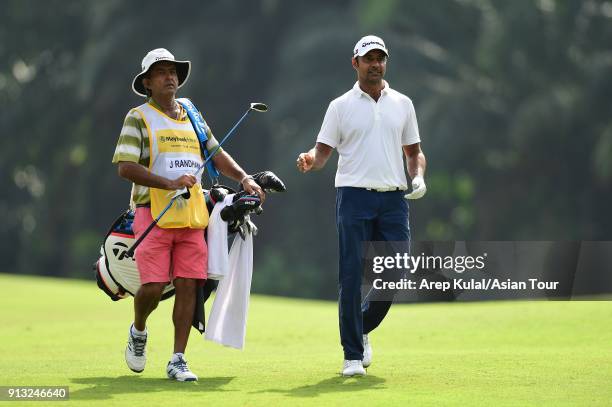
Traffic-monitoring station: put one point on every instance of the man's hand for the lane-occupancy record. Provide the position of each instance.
(141, 175)
(184, 181)
(252, 188)
(181, 186)
(314, 159)
(418, 188)
(305, 162)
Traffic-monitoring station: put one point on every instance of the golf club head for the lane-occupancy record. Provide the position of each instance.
(259, 107)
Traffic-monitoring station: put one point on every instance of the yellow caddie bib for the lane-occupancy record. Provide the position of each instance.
(175, 151)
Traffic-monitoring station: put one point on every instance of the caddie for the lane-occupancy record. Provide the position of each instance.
(158, 150)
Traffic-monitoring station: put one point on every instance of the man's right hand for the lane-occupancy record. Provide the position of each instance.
(184, 181)
(305, 162)
(141, 175)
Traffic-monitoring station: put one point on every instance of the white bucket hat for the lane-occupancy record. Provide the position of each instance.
(160, 54)
(368, 43)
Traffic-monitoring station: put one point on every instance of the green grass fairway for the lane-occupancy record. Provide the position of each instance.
(68, 333)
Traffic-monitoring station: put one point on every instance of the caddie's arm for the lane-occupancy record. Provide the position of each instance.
(141, 175)
(230, 168)
(416, 164)
(315, 159)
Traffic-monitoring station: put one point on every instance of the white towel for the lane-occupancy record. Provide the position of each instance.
(218, 258)
(228, 316)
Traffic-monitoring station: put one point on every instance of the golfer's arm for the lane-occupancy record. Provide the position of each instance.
(226, 165)
(415, 160)
(141, 175)
(321, 153)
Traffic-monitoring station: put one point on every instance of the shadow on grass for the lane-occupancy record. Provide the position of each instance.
(336, 384)
(108, 387)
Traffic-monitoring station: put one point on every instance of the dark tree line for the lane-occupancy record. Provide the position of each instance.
(513, 102)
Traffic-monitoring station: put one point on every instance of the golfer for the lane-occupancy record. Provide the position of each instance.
(370, 126)
(159, 151)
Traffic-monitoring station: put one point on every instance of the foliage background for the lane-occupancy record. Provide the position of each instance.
(513, 101)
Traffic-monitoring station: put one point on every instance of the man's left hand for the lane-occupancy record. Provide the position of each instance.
(418, 188)
(252, 188)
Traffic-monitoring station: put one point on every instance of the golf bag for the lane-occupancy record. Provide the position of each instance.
(116, 272)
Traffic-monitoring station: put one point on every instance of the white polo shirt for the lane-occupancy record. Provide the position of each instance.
(369, 136)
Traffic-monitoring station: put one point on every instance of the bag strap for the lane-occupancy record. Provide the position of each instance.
(201, 130)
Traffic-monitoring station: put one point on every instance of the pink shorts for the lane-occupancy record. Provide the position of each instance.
(166, 254)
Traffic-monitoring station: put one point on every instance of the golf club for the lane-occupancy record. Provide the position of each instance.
(256, 106)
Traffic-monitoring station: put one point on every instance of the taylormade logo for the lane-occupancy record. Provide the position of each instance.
(120, 251)
(365, 44)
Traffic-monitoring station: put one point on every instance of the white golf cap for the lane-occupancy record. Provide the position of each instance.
(368, 43)
(160, 54)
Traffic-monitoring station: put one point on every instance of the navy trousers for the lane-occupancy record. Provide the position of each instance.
(363, 215)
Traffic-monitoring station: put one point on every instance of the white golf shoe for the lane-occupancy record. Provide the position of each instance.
(135, 354)
(367, 351)
(178, 370)
(353, 368)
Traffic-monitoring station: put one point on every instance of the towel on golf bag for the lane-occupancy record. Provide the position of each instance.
(228, 315)
(218, 259)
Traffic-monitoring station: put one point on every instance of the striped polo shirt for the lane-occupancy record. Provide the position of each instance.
(133, 146)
